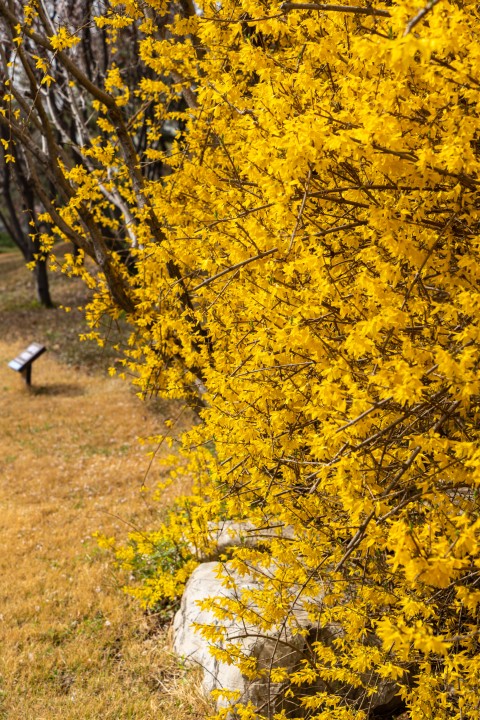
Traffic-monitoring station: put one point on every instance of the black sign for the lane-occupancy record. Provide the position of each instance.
(23, 362)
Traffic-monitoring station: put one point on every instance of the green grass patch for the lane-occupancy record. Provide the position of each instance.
(6, 242)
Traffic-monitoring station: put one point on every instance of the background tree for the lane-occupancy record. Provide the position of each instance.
(59, 120)
(18, 214)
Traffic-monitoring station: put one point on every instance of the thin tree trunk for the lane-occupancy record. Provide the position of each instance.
(42, 283)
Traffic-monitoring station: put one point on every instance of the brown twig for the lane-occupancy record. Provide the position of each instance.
(427, 257)
(209, 280)
(375, 406)
(237, 217)
(360, 534)
(419, 16)
(300, 212)
(355, 10)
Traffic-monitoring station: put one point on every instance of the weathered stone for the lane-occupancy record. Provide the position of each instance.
(229, 534)
(281, 649)
(278, 648)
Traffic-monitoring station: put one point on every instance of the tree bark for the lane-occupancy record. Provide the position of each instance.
(42, 284)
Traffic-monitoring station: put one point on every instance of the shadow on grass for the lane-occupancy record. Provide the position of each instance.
(56, 389)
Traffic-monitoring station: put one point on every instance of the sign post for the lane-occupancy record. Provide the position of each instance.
(23, 362)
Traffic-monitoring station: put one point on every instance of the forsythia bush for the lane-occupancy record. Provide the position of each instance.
(309, 267)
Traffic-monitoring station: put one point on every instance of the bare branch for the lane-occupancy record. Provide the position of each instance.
(209, 280)
(375, 406)
(419, 16)
(355, 10)
(427, 257)
(340, 228)
(300, 212)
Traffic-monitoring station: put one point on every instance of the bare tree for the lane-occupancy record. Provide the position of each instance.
(19, 216)
(48, 121)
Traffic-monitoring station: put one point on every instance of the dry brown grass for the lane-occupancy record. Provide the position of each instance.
(72, 645)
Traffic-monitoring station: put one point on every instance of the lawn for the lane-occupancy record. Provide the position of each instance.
(73, 645)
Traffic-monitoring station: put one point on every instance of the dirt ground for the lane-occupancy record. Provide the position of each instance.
(73, 646)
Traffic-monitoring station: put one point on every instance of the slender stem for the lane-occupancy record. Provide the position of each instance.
(355, 10)
(209, 280)
(419, 16)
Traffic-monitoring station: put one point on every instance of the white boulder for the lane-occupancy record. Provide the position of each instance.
(283, 647)
(280, 649)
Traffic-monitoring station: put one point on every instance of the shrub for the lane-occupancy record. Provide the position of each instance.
(307, 272)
